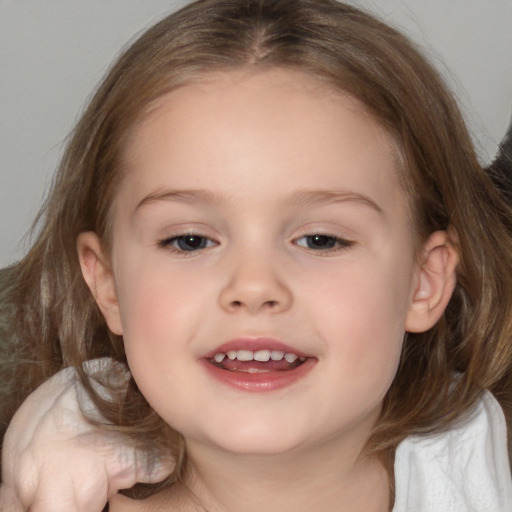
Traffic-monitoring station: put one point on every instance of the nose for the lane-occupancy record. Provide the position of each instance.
(255, 285)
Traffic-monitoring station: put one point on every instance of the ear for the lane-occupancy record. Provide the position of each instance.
(99, 277)
(435, 282)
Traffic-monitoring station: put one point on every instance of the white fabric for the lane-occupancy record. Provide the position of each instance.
(465, 469)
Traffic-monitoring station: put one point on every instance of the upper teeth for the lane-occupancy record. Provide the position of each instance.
(258, 355)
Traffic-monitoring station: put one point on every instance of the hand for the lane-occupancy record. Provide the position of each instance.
(56, 461)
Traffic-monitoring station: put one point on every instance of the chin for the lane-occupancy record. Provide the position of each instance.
(253, 439)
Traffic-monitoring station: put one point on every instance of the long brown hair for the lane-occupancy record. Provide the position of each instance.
(54, 321)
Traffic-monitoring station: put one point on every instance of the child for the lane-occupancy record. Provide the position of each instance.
(285, 235)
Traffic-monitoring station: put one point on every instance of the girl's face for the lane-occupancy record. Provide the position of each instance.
(263, 263)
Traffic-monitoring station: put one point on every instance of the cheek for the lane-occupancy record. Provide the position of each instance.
(360, 314)
(362, 295)
(161, 316)
(157, 298)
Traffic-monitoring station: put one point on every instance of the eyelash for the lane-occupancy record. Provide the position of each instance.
(172, 243)
(334, 243)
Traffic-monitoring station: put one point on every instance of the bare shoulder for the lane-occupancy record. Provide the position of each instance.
(166, 501)
(120, 503)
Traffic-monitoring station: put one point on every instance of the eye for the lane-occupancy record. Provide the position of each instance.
(187, 243)
(320, 242)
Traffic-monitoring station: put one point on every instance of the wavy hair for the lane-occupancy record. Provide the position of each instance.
(53, 319)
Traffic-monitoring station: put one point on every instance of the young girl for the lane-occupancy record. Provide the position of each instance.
(284, 234)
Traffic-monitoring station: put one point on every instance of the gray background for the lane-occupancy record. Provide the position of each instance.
(53, 53)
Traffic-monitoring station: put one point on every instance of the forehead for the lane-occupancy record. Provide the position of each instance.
(267, 130)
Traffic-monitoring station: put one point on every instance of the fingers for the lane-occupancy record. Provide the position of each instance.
(9, 501)
(127, 466)
(155, 472)
(57, 461)
(66, 495)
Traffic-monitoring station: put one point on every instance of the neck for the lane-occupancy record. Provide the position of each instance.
(302, 480)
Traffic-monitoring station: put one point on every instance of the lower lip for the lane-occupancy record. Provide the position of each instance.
(260, 382)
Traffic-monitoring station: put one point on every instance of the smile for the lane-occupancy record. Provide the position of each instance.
(253, 368)
(260, 355)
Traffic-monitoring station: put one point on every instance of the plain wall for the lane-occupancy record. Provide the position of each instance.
(53, 53)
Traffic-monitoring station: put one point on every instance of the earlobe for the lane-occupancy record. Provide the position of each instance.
(435, 283)
(99, 278)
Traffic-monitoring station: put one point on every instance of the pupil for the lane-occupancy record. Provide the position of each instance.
(321, 241)
(187, 243)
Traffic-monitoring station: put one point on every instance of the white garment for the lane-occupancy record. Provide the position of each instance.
(465, 469)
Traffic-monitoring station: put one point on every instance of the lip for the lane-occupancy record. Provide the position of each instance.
(257, 382)
(255, 344)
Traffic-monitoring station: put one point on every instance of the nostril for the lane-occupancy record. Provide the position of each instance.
(269, 304)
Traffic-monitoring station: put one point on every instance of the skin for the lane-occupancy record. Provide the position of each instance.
(47, 432)
(268, 160)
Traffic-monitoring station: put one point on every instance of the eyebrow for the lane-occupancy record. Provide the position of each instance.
(307, 197)
(298, 198)
(180, 196)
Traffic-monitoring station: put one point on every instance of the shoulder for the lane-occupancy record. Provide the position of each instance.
(167, 500)
(464, 468)
(120, 503)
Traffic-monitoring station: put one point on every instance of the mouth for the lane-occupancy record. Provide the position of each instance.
(259, 361)
(258, 364)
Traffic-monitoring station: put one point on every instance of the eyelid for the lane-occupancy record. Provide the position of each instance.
(167, 242)
(342, 244)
